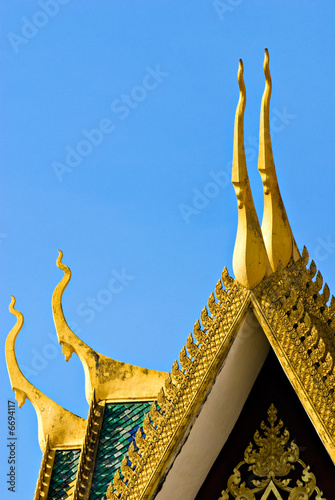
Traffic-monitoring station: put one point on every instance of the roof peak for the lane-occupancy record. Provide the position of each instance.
(250, 261)
(258, 251)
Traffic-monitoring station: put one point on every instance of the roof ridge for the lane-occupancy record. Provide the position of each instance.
(184, 388)
(281, 311)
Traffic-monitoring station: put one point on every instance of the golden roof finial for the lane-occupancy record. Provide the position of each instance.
(277, 233)
(62, 426)
(110, 379)
(250, 262)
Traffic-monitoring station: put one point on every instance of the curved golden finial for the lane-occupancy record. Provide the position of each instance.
(239, 173)
(106, 377)
(63, 427)
(250, 262)
(277, 233)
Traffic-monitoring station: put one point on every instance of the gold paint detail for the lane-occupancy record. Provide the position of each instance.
(44, 477)
(70, 491)
(83, 481)
(110, 379)
(271, 488)
(272, 459)
(277, 233)
(293, 311)
(292, 308)
(62, 427)
(250, 260)
(184, 391)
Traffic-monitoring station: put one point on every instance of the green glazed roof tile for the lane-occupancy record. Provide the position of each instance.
(121, 421)
(63, 472)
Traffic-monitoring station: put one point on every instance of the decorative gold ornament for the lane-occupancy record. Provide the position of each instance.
(276, 230)
(183, 392)
(272, 462)
(290, 305)
(110, 379)
(62, 427)
(250, 261)
(44, 477)
(300, 326)
(81, 486)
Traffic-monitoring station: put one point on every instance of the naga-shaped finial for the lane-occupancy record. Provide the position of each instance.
(277, 233)
(250, 261)
(63, 427)
(106, 377)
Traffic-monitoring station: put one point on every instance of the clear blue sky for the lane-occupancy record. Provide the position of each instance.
(159, 79)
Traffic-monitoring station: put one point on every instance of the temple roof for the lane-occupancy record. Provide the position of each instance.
(152, 434)
(289, 306)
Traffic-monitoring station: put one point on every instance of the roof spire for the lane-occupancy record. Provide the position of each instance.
(277, 233)
(250, 262)
(108, 378)
(62, 426)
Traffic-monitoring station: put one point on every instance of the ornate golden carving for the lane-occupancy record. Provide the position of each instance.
(250, 260)
(120, 487)
(272, 462)
(276, 230)
(199, 334)
(183, 391)
(185, 361)
(61, 426)
(191, 346)
(84, 477)
(44, 477)
(290, 305)
(292, 308)
(141, 443)
(111, 379)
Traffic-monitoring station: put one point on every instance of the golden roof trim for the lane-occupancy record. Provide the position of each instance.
(44, 477)
(61, 426)
(108, 378)
(83, 481)
(180, 399)
(308, 364)
(300, 327)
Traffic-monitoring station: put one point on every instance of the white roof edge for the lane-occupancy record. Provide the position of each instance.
(218, 414)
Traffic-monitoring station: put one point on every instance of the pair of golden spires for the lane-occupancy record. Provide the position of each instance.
(258, 251)
(257, 254)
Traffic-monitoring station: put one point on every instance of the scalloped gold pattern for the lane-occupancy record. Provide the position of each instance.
(293, 311)
(183, 391)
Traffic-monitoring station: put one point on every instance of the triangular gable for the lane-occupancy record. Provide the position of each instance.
(298, 324)
(271, 388)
